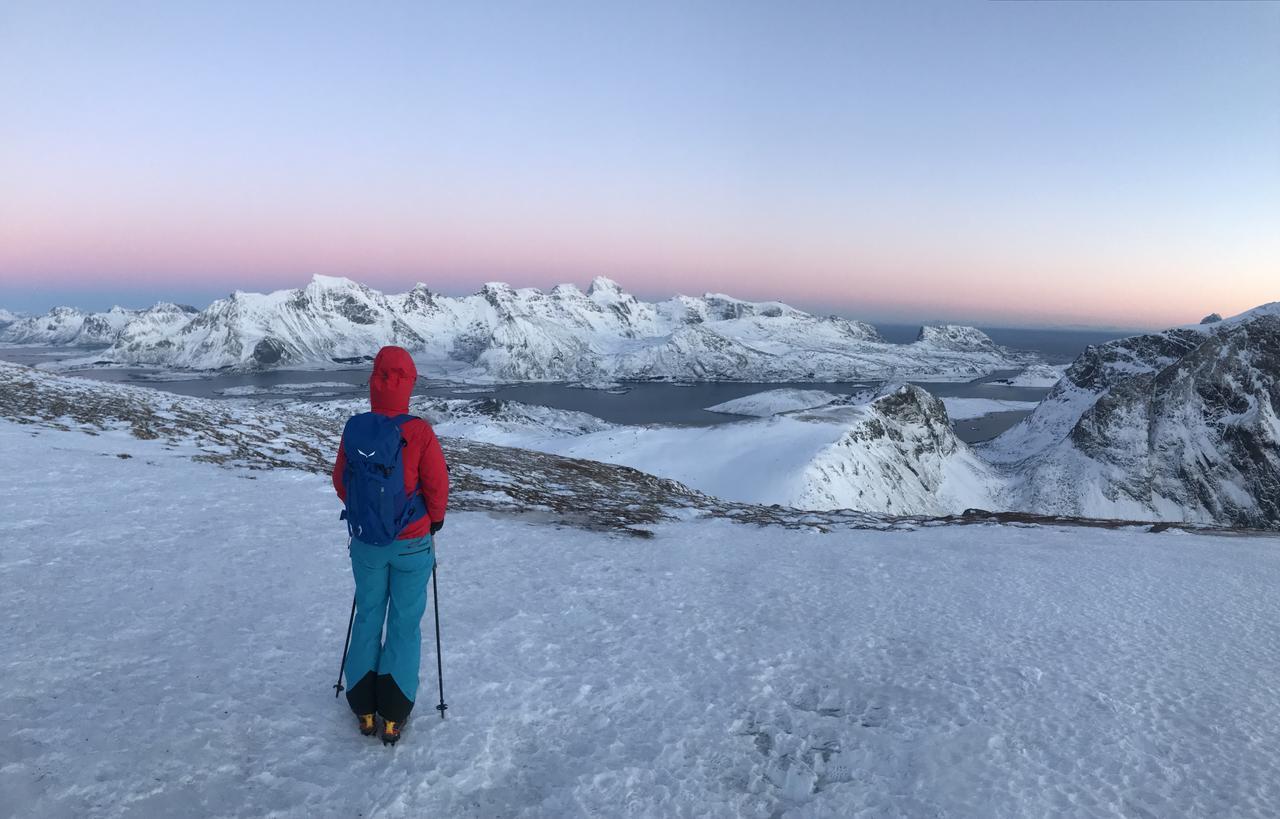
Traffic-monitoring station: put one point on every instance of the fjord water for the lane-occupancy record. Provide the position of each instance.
(632, 403)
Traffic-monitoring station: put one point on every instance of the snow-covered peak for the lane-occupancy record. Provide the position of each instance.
(418, 299)
(898, 454)
(602, 285)
(955, 337)
(321, 283)
(1269, 309)
(1214, 322)
(166, 307)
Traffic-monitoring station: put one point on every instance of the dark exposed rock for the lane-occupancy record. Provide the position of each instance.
(268, 351)
(420, 300)
(469, 345)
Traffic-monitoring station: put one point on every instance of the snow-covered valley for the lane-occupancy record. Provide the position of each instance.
(178, 588)
(891, 452)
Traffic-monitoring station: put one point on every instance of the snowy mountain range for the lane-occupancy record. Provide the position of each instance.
(503, 333)
(72, 327)
(1178, 425)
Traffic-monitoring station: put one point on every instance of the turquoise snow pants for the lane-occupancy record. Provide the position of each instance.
(391, 586)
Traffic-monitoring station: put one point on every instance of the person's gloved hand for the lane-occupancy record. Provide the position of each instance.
(436, 526)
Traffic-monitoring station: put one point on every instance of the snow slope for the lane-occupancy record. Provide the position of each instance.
(714, 670)
(774, 402)
(892, 452)
(564, 334)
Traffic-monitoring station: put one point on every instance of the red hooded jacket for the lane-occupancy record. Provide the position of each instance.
(389, 387)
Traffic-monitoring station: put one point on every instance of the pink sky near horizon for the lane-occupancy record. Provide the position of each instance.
(872, 288)
(966, 279)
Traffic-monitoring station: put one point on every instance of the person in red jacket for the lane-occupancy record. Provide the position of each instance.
(391, 580)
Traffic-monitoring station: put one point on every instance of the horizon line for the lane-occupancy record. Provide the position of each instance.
(843, 311)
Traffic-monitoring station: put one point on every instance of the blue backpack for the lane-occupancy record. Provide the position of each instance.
(378, 509)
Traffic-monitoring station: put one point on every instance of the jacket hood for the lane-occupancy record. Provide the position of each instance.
(392, 381)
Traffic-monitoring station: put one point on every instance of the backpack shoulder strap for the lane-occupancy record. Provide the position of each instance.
(401, 420)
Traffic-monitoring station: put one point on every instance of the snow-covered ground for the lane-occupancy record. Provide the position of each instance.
(325, 388)
(172, 630)
(1036, 375)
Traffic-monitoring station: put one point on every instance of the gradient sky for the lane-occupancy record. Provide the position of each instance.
(1002, 163)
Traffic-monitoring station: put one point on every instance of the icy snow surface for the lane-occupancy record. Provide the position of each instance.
(172, 630)
(774, 402)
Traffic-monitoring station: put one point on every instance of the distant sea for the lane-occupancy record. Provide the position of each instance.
(1055, 346)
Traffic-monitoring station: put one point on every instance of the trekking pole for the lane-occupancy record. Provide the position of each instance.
(345, 647)
(435, 595)
(346, 644)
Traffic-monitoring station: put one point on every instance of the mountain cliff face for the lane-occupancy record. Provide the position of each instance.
(1181, 425)
(503, 333)
(326, 320)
